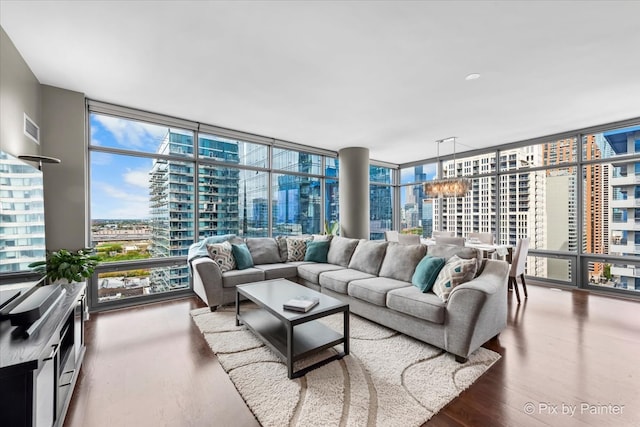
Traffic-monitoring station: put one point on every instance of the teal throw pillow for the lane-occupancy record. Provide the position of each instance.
(243, 256)
(427, 272)
(317, 251)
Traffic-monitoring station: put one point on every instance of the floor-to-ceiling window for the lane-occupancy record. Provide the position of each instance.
(611, 208)
(380, 201)
(575, 198)
(157, 188)
(417, 209)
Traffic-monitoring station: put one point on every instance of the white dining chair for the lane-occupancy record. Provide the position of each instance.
(442, 234)
(408, 239)
(518, 264)
(391, 235)
(446, 240)
(486, 238)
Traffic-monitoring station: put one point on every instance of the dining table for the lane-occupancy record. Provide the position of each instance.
(504, 252)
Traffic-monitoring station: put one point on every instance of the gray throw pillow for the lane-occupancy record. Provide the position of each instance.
(400, 261)
(264, 250)
(340, 250)
(282, 248)
(368, 256)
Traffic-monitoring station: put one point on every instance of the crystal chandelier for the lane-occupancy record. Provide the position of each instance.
(449, 187)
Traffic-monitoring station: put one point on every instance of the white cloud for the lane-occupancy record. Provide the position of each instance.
(120, 194)
(138, 178)
(132, 134)
(116, 203)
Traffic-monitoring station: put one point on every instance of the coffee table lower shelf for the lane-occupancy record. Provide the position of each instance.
(309, 338)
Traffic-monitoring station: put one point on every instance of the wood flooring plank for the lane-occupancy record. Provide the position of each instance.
(149, 366)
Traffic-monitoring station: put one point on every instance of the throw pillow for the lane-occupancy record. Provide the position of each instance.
(317, 251)
(243, 256)
(221, 254)
(264, 250)
(282, 248)
(455, 272)
(296, 248)
(427, 272)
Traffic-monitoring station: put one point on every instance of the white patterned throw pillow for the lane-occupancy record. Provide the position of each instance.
(221, 254)
(455, 272)
(296, 248)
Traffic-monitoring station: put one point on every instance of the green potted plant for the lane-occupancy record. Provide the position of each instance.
(73, 266)
(331, 228)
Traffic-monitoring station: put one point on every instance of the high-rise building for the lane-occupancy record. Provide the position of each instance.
(172, 205)
(297, 200)
(624, 220)
(380, 202)
(21, 213)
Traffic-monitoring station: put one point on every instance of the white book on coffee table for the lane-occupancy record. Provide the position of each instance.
(301, 303)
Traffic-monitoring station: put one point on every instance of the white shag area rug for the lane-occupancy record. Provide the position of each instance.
(388, 379)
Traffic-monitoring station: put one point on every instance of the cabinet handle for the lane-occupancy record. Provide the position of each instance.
(68, 382)
(54, 350)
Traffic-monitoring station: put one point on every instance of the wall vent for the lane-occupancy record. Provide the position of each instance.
(31, 129)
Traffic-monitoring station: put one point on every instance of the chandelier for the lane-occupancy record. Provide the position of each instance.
(449, 187)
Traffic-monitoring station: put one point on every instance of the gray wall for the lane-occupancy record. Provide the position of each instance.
(19, 93)
(60, 114)
(63, 137)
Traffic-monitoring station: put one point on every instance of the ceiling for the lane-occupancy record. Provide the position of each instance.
(389, 76)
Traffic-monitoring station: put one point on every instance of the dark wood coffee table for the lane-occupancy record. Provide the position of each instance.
(292, 335)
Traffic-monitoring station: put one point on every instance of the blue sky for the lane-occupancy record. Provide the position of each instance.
(120, 184)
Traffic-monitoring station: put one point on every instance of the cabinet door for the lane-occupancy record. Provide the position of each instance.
(78, 328)
(45, 390)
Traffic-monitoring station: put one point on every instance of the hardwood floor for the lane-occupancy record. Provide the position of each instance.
(149, 366)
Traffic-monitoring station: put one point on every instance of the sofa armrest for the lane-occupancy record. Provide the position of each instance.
(477, 310)
(207, 281)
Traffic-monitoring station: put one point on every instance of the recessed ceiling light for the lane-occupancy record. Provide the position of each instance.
(472, 76)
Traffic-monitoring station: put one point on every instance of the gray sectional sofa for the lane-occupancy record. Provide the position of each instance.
(374, 277)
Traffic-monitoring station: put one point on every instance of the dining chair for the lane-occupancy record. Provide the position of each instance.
(517, 267)
(442, 234)
(408, 239)
(446, 240)
(391, 236)
(482, 237)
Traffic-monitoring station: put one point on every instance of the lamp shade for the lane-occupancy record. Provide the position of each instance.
(456, 187)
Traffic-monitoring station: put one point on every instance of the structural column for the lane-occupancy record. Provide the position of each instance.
(354, 192)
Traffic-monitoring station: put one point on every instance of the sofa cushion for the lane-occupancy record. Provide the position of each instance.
(278, 271)
(317, 251)
(242, 256)
(340, 250)
(297, 248)
(368, 256)
(447, 251)
(338, 280)
(374, 290)
(400, 261)
(282, 248)
(264, 250)
(412, 301)
(427, 272)
(222, 254)
(311, 272)
(455, 272)
(238, 277)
